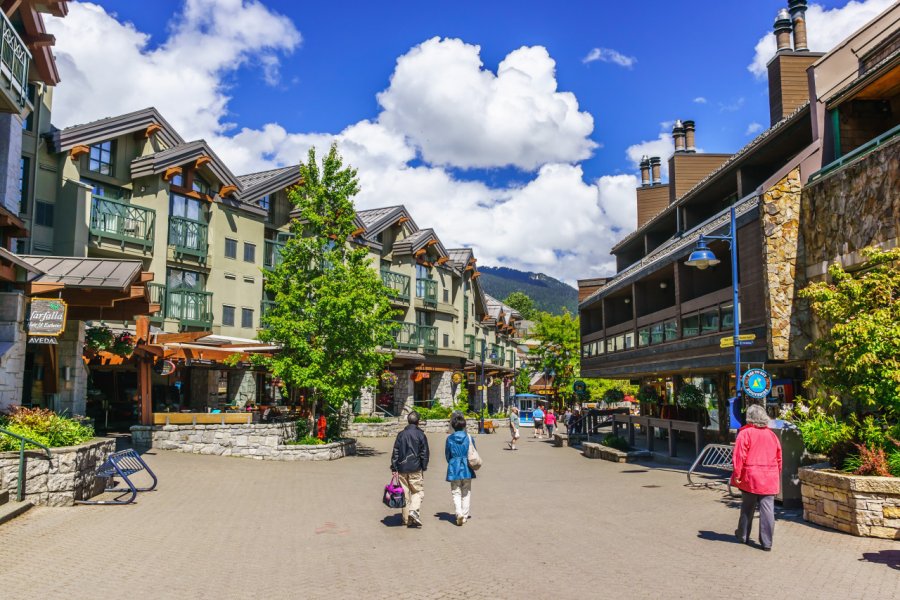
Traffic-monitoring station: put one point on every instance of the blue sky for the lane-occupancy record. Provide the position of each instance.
(309, 72)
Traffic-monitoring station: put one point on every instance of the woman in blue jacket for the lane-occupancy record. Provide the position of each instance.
(459, 474)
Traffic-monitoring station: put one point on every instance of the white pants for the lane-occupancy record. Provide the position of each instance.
(461, 490)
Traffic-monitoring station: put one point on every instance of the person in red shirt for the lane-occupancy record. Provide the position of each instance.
(757, 473)
(320, 426)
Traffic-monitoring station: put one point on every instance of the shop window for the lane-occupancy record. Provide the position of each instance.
(671, 328)
(228, 316)
(709, 321)
(230, 248)
(644, 336)
(629, 341)
(249, 252)
(727, 317)
(599, 347)
(100, 159)
(247, 318)
(43, 214)
(656, 334)
(690, 326)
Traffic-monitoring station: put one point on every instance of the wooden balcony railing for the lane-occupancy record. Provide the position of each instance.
(189, 237)
(398, 283)
(14, 60)
(122, 222)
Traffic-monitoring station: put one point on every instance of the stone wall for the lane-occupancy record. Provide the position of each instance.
(263, 441)
(62, 479)
(442, 387)
(780, 222)
(12, 362)
(863, 506)
(391, 427)
(851, 208)
(403, 392)
(72, 397)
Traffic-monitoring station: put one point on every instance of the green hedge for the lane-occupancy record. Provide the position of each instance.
(43, 426)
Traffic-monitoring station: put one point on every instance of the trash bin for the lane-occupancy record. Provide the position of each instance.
(791, 452)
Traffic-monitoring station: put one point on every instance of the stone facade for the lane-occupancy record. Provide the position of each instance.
(391, 427)
(12, 361)
(855, 504)
(72, 397)
(780, 222)
(366, 401)
(242, 387)
(263, 441)
(442, 387)
(67, 476)
(851, 208)
(403, 392)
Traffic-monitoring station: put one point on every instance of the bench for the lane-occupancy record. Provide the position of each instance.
(122, 464)
(560, 440)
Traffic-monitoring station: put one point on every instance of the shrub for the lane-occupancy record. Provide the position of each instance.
(615, 441)
(871, 460)
(893, 461)
(368, 419)
(821, 432)
(307, 440)
(690, 396)
(613, 396)
(437, 412)
(43, 426)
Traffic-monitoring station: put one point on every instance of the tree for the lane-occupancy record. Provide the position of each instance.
(522, 303)
(331, 311)
(558, 350)
(858, 354)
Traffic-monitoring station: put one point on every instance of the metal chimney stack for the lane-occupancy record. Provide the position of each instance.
(798, 16)
(783, 31)
(645, 171)
(655, 166)
(689, 136)
(678, 136)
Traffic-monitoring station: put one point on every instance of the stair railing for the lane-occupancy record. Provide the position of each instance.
(20, 485)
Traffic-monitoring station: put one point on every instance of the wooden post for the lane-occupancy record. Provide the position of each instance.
(145, 365)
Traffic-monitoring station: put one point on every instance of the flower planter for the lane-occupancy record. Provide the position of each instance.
(856, 504)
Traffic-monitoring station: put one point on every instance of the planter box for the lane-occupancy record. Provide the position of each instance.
(67, 476)
(855, 504)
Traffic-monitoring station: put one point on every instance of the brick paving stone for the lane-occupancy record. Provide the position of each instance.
(546, 522)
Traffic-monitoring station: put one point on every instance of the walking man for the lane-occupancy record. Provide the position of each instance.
(409, 461)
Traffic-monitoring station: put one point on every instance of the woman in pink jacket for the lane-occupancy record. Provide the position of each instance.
(757, 473)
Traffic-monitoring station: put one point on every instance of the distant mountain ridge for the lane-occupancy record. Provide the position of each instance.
(549, 294)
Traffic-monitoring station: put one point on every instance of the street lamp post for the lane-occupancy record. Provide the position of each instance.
(702, 257)
(483, 395)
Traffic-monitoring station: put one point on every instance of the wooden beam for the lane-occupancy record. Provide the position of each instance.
(146, 276)
(419, 252)
(476, 275)
(10, 6)
(38, 39)
(402, 220)
(359, 231)
(180, 338)
(77, 151)
(442, 260)
(171, 172)
(227, 190)
(201, 161)
(145, 390)
(36, 288)
(151, 130)
(431, 243)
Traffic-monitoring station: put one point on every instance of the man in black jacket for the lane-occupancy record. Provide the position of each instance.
(409, 461)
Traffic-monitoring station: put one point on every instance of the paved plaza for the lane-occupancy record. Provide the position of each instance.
(547, 523)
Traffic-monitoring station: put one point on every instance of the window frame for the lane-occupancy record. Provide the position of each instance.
(43, 208)
(252, 247)
(245, 312)
(225, 308)
(107, 149)
(233, 256)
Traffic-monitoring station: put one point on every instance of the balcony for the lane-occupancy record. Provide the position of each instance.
(428, 338)
(426, 289)
(498, 351)
(398, 284)
(469, 345)
(407, 337)
(188, 237)
(157, 293)
(122, 222)
(272, 256)
(265, 306)
(193, 308)
(14, 64)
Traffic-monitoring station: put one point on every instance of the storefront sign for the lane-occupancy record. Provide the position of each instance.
(47, 317)
(43, 340)
(757, 383)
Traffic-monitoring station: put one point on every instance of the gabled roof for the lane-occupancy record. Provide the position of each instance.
(182, 154)
(376, 220)
(256, 185)
(419, 240)
(460, 257)
(86, 272)
(111, 127)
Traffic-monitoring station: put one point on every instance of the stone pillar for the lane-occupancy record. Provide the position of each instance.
(493, 397)
(72, 390)
(442, 388)
(12, 361)
(403, 392)
(242, 388)
(366, 401)
(10, 160)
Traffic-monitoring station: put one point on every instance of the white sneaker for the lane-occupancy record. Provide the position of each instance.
(414, 520)
(460, 520)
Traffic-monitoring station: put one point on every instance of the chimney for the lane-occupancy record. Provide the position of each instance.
(798, 16)
(678, 136)
(645, 171)
(689, 136)
(654, 165)
(783, 31)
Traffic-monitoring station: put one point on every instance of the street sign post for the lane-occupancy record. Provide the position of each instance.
(745, 339)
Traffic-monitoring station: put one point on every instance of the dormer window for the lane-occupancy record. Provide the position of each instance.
(101, 157)
(177, 180)
(199, 186)
(265, 202)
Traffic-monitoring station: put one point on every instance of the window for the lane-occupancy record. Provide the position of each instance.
(230, 248)
(599, 347)
(727, 317)
(421, 276)
(177, 180)
(249, 252)
(446, 340)
(247, 318)
(43, 214)
(198, 185)
(186, 208)
(423, 318)
(106, 190)
(671, 328)
(446, 296)
(178, 279)
(100, 159)
(228, 316)
(24, 164)
(644, 336)
(656, 334)
(629, 340)
(265, 202)
(709, 321)
(690, 326)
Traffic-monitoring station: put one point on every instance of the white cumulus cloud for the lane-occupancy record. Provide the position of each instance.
(608, 55)
(753, 128)
(824, 29)
(663, 147)
(700, 100)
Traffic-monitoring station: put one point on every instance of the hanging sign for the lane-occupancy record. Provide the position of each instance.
(757, 383)
(46, 317)
(164, 367)
(43, 340)
(579, 387)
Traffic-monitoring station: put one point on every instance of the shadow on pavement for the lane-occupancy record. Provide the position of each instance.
(713, 536)
(367, 451)
(890, 558)
(393, 521)
(445, 516)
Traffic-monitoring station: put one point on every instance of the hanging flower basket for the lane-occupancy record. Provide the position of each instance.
(389, 379)
(123, 344)
(99, 337)
(496, 382)
(456, 378)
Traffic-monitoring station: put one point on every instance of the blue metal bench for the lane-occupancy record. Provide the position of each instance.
(122, 464)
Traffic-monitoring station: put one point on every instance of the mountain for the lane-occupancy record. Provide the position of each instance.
(549, 294)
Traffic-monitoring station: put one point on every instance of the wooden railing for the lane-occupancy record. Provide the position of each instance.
(188, 236)
(398, 283)
(122, 222)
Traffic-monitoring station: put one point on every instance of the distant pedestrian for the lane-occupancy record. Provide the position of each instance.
(321, 425)
(459, 473)
(409, 461)
(550, 422)
(513, 427)
(538, 415)
(757, 473)
(567, 418)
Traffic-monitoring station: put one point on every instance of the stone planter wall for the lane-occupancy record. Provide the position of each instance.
(856, 504)
(62, 479)
(393, 426)
(263, 441)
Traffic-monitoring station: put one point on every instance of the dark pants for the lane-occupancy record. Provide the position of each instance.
(550, 429)
(766, 504)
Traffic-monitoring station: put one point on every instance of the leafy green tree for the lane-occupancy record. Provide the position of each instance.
(598, 388)
(523, 380)
(522, 303)
(558, 350)
(331, 312)
(858, 354)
